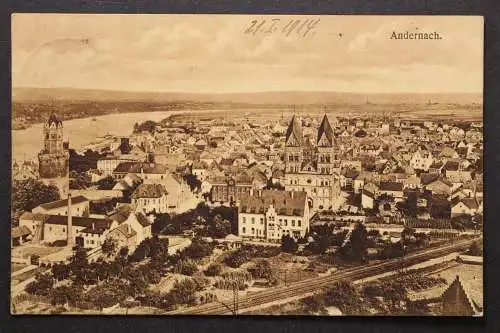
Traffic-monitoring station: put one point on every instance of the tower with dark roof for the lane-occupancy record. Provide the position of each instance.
(53, 159)
(294, 141)
(325, 143)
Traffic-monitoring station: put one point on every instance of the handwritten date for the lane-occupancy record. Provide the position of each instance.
(292, 27)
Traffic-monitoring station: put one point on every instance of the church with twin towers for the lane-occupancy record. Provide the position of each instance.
(312, 167)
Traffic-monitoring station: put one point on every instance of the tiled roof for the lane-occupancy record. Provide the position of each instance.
(126, 230)
(20, 231)
(149, 191)
(98, 227)
(391, 186)
(294, 131)
(427, 178)
(325, 129)
(64, 202)
(76, 220)
(451, 166)
(143, 220)
(140, 167)
(285, 202)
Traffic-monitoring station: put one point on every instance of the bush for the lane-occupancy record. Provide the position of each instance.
(213, 270)
(183, 292)
(237, 258)
(262, 270)
(41, 286)
(344, 295)
(186, 267)
(66, 294)
(198, 249)
(288, 244)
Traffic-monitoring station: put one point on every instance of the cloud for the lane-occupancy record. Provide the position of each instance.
(212, 53)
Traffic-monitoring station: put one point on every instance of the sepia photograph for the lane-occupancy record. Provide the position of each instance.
(311, 165)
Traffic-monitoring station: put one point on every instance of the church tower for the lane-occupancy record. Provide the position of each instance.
(294, 147)
(53, 159)
(324, 143)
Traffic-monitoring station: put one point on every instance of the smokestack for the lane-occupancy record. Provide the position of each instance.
(70, 239)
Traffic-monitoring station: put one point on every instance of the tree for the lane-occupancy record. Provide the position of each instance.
(66, 295)
(288, 244)
(193, 182)
(213, 270)
(106, 183)
(123, 252)
(274, 186)
(220, 227)
(60, 271)
(198, 249)
(81, 181)
(262, 270)
(79, 266)
(475, 249)
(344, 295)
(28, 194)
(148, 126)
(186, 267)
(41, 286)
(108, 247)
(392, 250)
(356, 247)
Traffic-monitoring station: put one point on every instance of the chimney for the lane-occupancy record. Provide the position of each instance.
(70, 239)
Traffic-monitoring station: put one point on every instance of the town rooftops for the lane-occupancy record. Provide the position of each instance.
(391, 186)
(98, 227)
(20, 231)
(451, 166)
(78, 221)
(63, 202)
(427, 178)
(287, 203)
(141, 167)
(149, 191)
(120, 214)
(470, 203)
(126, 230)
(143, 220)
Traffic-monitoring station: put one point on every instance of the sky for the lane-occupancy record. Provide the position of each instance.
(214, 54)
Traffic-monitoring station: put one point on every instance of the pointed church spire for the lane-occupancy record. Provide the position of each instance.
(325, 131)
(294, 136)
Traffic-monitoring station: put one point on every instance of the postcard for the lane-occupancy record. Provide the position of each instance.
(247, 165)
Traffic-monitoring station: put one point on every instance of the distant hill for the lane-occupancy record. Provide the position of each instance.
(278, 97)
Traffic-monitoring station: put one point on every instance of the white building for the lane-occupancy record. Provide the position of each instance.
(269, 215)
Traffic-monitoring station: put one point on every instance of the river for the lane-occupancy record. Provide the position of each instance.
(28, 142)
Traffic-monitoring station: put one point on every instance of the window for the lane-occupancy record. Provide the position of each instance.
(286, 222)
(243, 219)
(253, 221)
(293, 223)
(243, 230)
(261, 220)
(64, 229)
(299, 222)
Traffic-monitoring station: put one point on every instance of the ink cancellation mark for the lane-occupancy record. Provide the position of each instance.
(286, 27)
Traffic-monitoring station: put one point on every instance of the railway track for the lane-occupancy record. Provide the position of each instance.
(316, 284)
